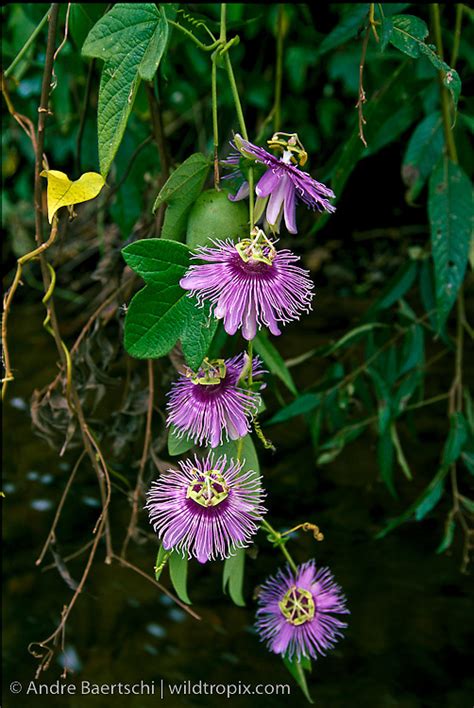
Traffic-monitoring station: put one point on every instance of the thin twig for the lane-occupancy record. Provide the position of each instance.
(50, 535)
(146, 449)
(362, 97)
(161, 587)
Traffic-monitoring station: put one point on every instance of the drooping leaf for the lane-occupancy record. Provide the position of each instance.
(458, 434)
(347, 28)
(62, 192)
(335, 445)
(297, 670)
(179, 575)
(397, 286)
(130, 39)
(179, 193)
(429, 500)
(272, 358)
(450, 213)
(422, 154)
(233, 576)
(408, 35)
(303, 404)
(448, 536)
(430, 493)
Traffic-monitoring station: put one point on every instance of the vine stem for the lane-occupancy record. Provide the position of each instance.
(145, 454)
(36, 253)
(444, 96)
(279, 68)
(281, 544)
(455, 400)
(240, 116)
(27, 44)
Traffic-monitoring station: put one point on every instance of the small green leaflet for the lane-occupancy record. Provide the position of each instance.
(130, 39)
(297, 670)
(233, 576)
(179, 575)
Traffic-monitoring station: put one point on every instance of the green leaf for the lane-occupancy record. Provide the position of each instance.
(157, 260)
(158, 316)
(458, 434)
(273, 360)
(408, 35)
(161, 556)
(348, 27)
(385, 456)
(401, 459)
(430, 493)
(448, 536)
(303, 404)
(162, 312)
(450, 213)
(180, 192)
(423, 151)
(82, 17)
(246, 448)
(397, 286)
(297, 669)
(178, 445)
(429, 500)
(130, 39)
(179, 574)
(333, 447)
(233, 576)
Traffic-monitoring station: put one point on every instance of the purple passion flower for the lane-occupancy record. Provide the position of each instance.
(283, 183)
(296, 617)
(207, 509)
(207, 403)
(250, 284)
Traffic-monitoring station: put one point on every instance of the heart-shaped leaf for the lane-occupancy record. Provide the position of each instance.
(62, 192)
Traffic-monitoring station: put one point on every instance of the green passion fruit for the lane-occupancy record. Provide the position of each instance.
(214, 216)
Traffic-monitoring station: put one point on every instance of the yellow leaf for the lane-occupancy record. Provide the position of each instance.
(62, 192)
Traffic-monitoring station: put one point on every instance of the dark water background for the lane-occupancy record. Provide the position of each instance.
(410, 631)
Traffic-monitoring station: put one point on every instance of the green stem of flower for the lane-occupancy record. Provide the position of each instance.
(197, 42)
(444, 96)
(27, 45)
(281, 544)
(279, 69)
(243, 128)
(215, 124)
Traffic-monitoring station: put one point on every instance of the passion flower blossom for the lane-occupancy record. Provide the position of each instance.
(207, 509)
(211, 403)
(283, 184)
(250, 284)
(296, 613)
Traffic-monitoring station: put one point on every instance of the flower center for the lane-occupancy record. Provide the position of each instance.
(211, 372)
(297, 606)
(208, 489)
(258, 249)
(291, 146)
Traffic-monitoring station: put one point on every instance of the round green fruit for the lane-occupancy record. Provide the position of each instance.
(214, 216)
